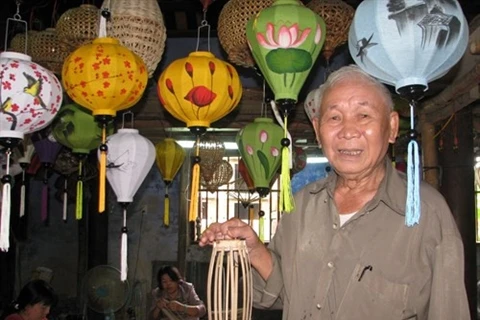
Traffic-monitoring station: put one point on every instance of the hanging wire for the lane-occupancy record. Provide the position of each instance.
(263, 110)
(132, 116)
(17, 19)
(203, 24)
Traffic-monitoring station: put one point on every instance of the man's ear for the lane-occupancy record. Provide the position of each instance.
(394, 126)
(316, 128)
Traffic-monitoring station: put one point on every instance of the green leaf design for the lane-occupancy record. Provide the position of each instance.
(264, 161)
(299, 60)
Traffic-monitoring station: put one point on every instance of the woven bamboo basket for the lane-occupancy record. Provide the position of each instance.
(140, 27)
(45, 50)
(220, 177)
(231, 29)
(78, 26)
(337, 16)
(17, 43)
(211, 152)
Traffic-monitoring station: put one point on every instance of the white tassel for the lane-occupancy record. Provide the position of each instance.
(5, 220)
(124, 249)
(22, 201)
(65, 201)
(6, 207)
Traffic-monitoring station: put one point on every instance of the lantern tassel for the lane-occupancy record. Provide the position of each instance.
(65, 200)
(412, 215)
(79, 200)
(251, 214)
(22, 196)
(194, 192)
(124, 249)
(6, 198)
(166, 214)
(44, 206)
(287, 203)
(261, 227)
(103, 170)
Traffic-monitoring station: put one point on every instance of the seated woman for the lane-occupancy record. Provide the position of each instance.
(175, 298)
(33, 302)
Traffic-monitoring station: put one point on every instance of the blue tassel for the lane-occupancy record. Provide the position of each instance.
(412, 215)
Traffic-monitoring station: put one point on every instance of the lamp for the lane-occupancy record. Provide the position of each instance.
(104, 77)
(285, 40)
(408, 44)
(170, 157)
(130, 158)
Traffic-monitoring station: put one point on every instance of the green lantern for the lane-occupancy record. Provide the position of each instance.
(76, 128)
(286, 39)
(259, 144)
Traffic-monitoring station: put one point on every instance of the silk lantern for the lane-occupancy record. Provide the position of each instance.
(285, 39)
(259, 144)
(408, 44)
(47, 149)
(104, 77)
(31, 96)
(75, 128)
(199, 90)
(169, 157)
(130, 158)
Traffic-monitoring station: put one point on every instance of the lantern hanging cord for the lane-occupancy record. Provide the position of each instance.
(18, 19)
(104, 15)
(203, 24)
(132, 119)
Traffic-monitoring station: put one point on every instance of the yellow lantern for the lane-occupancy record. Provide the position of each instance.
(198, 90)
(170, 158)
(104, 77)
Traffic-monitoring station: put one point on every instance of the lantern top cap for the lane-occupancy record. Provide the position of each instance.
(127, 130)
(206, 54)
(106, 40)
(15, 55)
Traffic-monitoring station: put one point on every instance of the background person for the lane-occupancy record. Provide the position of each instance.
(33, 302)
(174, 298)
(345, 253)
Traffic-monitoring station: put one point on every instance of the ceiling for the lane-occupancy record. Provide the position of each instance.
(182, 18)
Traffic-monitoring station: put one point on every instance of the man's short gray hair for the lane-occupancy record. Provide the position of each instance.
(355, 72)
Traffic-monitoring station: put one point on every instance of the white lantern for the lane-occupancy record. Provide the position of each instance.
(312, 104)
(130, 158)
(411, 42)
(30, 98)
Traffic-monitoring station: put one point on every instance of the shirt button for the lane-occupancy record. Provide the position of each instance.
(330, 264)
(335, 226)
(319, 306)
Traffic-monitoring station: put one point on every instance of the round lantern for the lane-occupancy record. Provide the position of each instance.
(140, 27)
(231, 29)
(130, 158)
(259, 145)
(199, 90)
(31, 96)
(408, 44)
(285, 40)
(170, 158)
(220, 176)
(337, 16)
(104, 77)
(76, 128)
(45, 50)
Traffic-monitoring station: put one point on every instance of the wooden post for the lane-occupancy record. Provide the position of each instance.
(429, 150)
(457, 161)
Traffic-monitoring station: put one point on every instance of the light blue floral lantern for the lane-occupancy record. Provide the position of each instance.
(408, 44)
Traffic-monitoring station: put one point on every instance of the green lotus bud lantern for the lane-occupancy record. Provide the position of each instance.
(285, 39)
(259, 144)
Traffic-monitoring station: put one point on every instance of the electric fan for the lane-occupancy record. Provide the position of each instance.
(103, 291)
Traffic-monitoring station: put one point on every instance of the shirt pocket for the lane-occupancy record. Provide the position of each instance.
(371, 296)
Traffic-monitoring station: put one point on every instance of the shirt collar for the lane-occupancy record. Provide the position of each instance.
(392, 190)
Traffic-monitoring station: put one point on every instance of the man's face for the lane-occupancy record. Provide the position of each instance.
(355, 127)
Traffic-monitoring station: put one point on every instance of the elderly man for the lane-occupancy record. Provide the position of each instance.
(345, 253)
